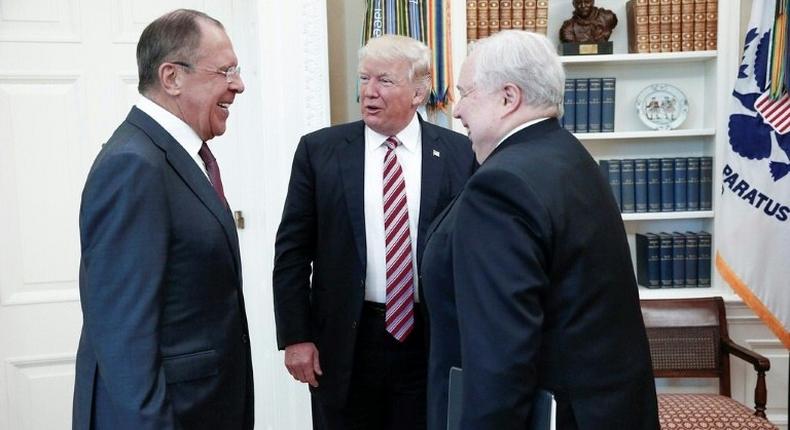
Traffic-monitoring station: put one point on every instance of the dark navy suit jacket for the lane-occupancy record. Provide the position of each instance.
(164, 342)
(528, 281)
(323, 229)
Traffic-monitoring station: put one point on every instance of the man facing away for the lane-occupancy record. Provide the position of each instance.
(360, 198)
(527, 276)
(164, 342)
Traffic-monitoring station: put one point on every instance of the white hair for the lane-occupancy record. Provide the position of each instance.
(528, 60)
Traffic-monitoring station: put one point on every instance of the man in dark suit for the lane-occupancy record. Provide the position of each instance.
(164, 341)
(527, 275)
(360, 199)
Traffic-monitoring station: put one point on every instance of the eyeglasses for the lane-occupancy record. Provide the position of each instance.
(231, 73)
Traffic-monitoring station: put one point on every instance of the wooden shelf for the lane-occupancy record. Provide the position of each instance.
(656, 216)
(646, 134)
(663, 58)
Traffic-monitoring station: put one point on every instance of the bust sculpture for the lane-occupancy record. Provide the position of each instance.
(589, 24)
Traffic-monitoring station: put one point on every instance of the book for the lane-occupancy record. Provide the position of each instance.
(542, 17)
(569, 106)
(581, 105)
(687, 25)
(543, 410)
(505, 15)
(680, 184)
(471, 20)
(594, 105)
(703, 259)
(678, 260)
(530, 14)
(637, 20)
(627, 186)
(482, 19)
(640, 185)
(665, 26)
(692, 183)
(647, 260)
(667, 185)
(610, 169)
(700, 11)
(665, 252)
(691, 259)
(493, 16)
(518, 14)
(711, 24)
(676, 26)
(607, 104)
(653, 185)
(706, 183)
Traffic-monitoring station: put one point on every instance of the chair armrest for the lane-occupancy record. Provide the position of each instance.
(760, 363)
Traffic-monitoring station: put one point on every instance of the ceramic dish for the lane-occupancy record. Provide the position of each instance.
(662, 106)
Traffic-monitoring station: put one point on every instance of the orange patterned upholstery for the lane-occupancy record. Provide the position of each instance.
(706, 411)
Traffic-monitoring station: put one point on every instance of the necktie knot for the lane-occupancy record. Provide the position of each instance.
(392, 142)
(206, 155)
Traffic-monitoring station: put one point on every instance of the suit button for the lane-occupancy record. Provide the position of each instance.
(354, 325)
(245, 338)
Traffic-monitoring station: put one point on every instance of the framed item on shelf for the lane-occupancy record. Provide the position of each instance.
(662, 106)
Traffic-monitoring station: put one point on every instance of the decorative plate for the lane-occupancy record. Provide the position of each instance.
(662, 106)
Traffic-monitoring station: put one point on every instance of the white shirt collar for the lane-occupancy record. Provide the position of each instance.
(181, 131)
(409, 136)
(521, 127)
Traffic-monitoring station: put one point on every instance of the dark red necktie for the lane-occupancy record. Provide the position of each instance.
(212, 168)
(400, 276)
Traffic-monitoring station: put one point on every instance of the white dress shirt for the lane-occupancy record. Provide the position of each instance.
(181, 131)
(409, 155)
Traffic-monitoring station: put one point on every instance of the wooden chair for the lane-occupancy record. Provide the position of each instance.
(688, 339)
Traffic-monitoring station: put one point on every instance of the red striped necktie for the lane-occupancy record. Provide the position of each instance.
(400, 276)
(212, 168)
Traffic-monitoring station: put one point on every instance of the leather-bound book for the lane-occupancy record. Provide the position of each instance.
(471, 20)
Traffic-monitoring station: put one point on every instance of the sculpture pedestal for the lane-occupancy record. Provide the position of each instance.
(572, 48)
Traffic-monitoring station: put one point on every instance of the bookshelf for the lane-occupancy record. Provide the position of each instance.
(647, 134)
(625, 59)
(658, 216)
(705, 77)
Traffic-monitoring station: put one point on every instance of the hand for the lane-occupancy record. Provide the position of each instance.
(301, 360)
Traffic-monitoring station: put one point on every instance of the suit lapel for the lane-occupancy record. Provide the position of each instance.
(432, 174)
(190, 173)
(351, 159)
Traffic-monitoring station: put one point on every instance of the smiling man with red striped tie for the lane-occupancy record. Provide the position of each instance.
(360, 199)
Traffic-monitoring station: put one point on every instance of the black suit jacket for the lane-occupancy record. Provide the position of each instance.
(323, 228)
(164, 341)
(528, 281)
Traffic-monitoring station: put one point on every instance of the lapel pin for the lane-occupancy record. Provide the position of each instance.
(436, 153)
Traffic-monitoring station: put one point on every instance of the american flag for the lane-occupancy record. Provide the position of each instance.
(775, 112)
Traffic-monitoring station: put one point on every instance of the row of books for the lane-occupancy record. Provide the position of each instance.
(677, 260)
(672, 25)
(486, 17)
(589, 105)
(661, 184)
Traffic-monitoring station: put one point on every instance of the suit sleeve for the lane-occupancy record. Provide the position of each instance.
(294, 251)
(499, 260)
(124, 225)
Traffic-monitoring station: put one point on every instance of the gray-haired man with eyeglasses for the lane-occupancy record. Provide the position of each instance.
(165, 343)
